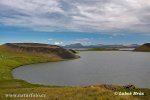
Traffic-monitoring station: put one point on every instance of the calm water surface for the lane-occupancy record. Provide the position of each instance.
(104, 67)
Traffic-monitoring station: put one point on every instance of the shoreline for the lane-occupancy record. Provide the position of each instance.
(68, 85)
(9, 84)
(13, 78)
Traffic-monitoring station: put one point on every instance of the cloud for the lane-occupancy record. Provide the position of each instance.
(112, 16)
(58, 43)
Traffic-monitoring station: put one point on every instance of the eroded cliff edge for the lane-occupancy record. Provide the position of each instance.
(43, 48)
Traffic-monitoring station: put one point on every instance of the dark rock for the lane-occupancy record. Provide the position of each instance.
(110, 87)
(129, 86)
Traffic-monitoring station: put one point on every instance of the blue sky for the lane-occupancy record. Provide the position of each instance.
(64, 22)
(13, 34)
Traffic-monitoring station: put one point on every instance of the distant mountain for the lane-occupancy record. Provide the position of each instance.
(76, 45)
(133, 45)
(79, 45)
(145, 48)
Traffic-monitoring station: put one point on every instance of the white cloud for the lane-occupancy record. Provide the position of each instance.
(112, 16)
(58, 43)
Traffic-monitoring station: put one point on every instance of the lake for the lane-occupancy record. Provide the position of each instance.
(97, 67)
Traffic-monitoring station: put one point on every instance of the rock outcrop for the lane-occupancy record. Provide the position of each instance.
(129, 86)
(42, 48)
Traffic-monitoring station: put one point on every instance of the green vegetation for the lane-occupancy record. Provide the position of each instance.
(11, 58)
(144, 48)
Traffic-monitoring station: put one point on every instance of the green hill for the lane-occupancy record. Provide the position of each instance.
(144, 48)
(42, 48)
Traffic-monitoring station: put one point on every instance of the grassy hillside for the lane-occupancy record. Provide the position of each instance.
(144, 48)
(42, 48)
(11, 58)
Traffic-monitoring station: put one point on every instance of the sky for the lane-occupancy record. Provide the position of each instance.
(64, 22)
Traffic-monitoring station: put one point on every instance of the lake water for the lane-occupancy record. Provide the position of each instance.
(99, 67)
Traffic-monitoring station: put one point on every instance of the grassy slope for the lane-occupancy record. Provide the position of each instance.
(10, 59)
(143, 48)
